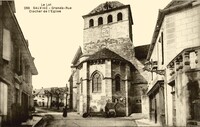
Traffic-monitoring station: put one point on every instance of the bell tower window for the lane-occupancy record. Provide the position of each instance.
(91, 23)
(119, 16)
(100, 21)
(110, 19)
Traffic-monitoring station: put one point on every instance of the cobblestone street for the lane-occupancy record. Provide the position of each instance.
(74, 120)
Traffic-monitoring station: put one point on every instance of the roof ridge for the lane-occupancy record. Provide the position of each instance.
(108, 5)
(174, 3)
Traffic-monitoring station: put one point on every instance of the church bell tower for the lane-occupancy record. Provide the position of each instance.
(110, 20)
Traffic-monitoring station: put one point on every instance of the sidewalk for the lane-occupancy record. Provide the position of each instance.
(141, 120)
(40, 118)
(146, 122)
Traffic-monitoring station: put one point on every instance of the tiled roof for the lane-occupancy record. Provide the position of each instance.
(174, 3)
(77, 56)
(105, 54)
(141, 51)
(106, 6)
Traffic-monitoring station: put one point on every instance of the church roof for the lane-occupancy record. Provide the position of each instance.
(106, 6)
(77, 56)
(141, 51)
(175, 3)
(105, 54)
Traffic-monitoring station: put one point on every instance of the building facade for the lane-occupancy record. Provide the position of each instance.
(105, 68)
(173, 63)
(16, 68)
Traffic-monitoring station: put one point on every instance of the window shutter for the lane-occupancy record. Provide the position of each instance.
(6, 45)
(3, 98)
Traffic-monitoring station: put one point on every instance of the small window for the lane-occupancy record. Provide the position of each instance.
(91, 23)
(117, 83)
(119, 16)
(96, 83)
(100, 21)
(110, 19)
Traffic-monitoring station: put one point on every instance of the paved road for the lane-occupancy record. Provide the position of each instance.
(74, 120)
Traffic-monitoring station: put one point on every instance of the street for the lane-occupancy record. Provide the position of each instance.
(74, 120)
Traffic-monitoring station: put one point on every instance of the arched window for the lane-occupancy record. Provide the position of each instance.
(91, 23)
(119, 16)
(100, 21)
(110, 19)
(96, 83)
(117, 83)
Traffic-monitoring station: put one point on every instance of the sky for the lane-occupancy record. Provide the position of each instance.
(55, 37)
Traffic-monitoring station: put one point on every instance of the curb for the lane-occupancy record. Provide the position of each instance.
(141, 124)
(32, 123)
(40, 123)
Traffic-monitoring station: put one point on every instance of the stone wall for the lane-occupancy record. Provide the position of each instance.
(122, 46)
(118, 70)
(98, 99)
(181, 30)
(75, 89)
(145, 106)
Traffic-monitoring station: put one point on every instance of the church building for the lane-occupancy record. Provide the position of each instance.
(106, 67)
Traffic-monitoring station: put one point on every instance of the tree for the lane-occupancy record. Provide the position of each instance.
(58, 93)
(47, 93)
(52, 93)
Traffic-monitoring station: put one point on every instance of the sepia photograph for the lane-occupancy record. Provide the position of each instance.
(99, 63)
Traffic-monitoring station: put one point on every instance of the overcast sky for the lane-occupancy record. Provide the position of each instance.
(55, 37)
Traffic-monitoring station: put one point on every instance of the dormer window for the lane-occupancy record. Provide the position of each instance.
(91, 23)
(119, 16)
(110, 19)
(100, 21)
